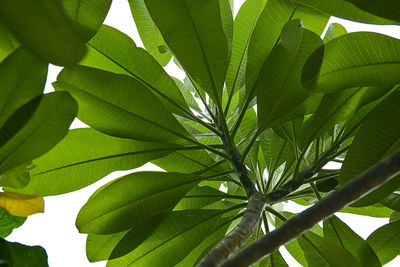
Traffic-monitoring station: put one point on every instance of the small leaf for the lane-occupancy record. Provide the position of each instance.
(385, 241)
(353, 60)
(9, 222)
(44, 29)
(21, 205)
(133, 199)
(15, 254)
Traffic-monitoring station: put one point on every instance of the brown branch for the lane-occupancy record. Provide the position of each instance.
(350, 192)
(239, 235)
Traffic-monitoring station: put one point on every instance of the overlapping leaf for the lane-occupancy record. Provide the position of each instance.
(21, 205)
(388, 9)
(8, 43)
(385, 241)
(15, 254)
(9, 222)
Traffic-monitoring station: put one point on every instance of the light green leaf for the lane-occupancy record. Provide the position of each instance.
(133, 199)
(377, 137)
(345, 9)
(334, 30)
(172, 240)
(9, 222)
(16, 177)
(85, 156)
(149, 33)
(15, 254)
(114, 51)
(49, 123)
(22, 78)
(320, 252)
(100, 247)
(194, 33)
(385, 241)
(226, 13)
(339, 233)
(279, 88)
(353, 60)
(372, 211)
(118, 105)
(87, 14)
(312, 19)
(8, 43)
(388, 9)
(44, 29)
(275, 260)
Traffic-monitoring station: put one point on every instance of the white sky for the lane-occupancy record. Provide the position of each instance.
(55, 229)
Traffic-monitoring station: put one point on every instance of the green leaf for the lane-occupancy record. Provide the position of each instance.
(388, 9)
(334, 30)
(88, 15)
(16, 177)
(346, 10)
(377, 137)
(243, 27)
(279, 86)
(312, 19)
(385, 241)
(340, 234)
(132, 200)
(114, 51)
(100, 247)
(172, 240)
(194, 33)
(48, 125)
(9, 222)
(372, 211)
(149, 33)
(320, 252)
(276, 260)
(8, 43)
(353, 60)
(84, 156)
(118, 105)
(44, 29)
(226, 13)
(274, 16)
(15, 254)
(22, 78)
(392, 201)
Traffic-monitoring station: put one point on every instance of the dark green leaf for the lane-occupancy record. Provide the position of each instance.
(114, 51)
(48, 125)
(149, 33)
(87, 14)
(385, 241)
(320, 252)
(44, 29)
(7, 42)
(389, 9)
(132, 200)
(9, 222)
(340, 234)
(118, 105)
(16, 255)
(22, 78)
(378, 136)
(85, 156)
(392, 201)
(346, 10)
(353, 60)
(279, 88)
(193, 31)
(172, 240)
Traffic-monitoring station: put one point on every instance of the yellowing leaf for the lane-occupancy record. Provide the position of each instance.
(21, 205)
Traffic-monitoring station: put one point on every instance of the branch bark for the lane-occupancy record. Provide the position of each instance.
(350, 192)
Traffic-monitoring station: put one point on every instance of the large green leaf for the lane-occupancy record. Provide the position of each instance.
(44, 29)
(193, 31)
(340, 234)
(87, 14)
(243, 27)
(132, 200)
(49, 123)
(22, 78)
(345, 9)
(171, 241)
(320, 252)
(392, 201)
(388, 9)
(279, 88)
(265, 36)
(312, 19)
(149, 33)
(100, 247)
(353, 60)
(15, 255)
(377, 137)
(114, 51)
(84, 156)
(8, 43)
(9, 222)
(119, 105)
(16, 177)
(334, 30)
(385, 241)
(372, 211)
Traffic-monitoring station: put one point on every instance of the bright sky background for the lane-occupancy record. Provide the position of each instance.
(55, 229)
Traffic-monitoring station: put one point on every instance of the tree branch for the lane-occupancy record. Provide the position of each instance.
(350, 192)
